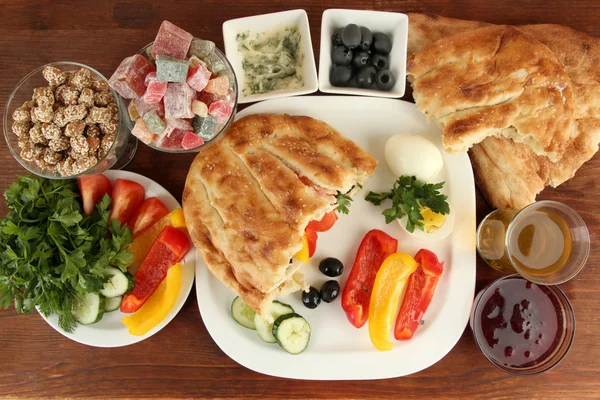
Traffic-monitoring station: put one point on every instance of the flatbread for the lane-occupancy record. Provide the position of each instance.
(494, 81)
(496, 160)
(249, 197)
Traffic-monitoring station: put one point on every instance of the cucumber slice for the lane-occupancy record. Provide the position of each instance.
(265, 329)
(292, 333)
(89, 309)
(243, 313)
(112, 303)
(118, 283)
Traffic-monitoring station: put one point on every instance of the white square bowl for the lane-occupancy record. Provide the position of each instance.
(263, 23)
(395, 25)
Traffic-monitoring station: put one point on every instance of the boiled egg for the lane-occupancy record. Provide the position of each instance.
(435, 226)
(413, 155)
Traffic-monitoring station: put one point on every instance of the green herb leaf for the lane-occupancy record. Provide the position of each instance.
(343, 202)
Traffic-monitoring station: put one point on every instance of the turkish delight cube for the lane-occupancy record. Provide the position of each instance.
(206, 127)
(141, 131)
(191, 141)
(215, 64)
(143, 108)
(218, 85)
(171, 41)
(220, 109)
(199, 108)
(169, 69)
(154, 123)
(178, 100)
(201, 47)
(155, 92)
(128, 79)
(198, 77)
(172, 141)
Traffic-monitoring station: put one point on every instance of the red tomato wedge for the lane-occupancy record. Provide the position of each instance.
(146, 215)
(324, 224)
(92, 189)
(312, 241)
(169, 248)
(126, 198)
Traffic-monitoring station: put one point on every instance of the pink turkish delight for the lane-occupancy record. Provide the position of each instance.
(150, 77)
(171, 41)
(172, 141)
(178, 100)
(143, 108)
(128, 79)
(141, 131)
(198, 77)
(219, 85)
(220, 109)
(191, 141)
(155, 92)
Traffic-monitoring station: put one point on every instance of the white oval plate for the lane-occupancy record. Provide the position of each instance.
(110, 331)
(337, 350)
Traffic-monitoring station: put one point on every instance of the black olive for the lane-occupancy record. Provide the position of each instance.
(312, 298)
(331, 267)
(366, 38)
(336, 39)
(341, 55)
(380, 61)
(385, 79)
(382, 43)
(330, 291)
(351, 36)
(340, 75)
(360, 59)
(366, 77)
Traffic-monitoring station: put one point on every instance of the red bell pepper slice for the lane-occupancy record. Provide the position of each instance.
(324, 224)
(421, 286)
(169, 248)
(375, 247)
(311, 236)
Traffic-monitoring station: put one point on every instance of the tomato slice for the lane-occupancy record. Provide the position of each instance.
(92, 189)
(325, 223)
(126, 198)
(146, 215)
(311, 236)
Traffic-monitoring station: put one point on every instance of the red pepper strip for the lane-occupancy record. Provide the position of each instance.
(324, 224)
(421, 286)
(168, 249)
(375, 247)
(311, 236)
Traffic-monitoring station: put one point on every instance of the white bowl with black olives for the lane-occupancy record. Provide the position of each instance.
(363, 53)
(272, 55)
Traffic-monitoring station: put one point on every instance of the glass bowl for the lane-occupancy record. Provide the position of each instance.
(522, 328)
(221, 127)
(120, 153)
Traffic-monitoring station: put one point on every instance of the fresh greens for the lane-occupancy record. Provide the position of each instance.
(51, 254)
(408, 195)
(343, 202)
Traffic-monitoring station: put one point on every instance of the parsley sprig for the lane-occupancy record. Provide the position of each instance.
(407, 195)
(51, 253)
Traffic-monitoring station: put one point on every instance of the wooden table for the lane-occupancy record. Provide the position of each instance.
(182, 360)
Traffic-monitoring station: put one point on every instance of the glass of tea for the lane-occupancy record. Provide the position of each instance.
(546, 242)
(522, 328)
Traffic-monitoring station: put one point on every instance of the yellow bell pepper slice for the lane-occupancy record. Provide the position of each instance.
(303, 254)
(388, 290)
(156, 308)
(177, 219)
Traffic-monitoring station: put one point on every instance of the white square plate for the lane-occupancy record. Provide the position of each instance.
(263, 23)
(395, 25)
(338, 350)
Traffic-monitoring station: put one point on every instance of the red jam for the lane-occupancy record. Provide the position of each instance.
(518, 322)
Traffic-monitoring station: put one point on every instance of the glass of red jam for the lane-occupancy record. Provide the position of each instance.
(521, 327)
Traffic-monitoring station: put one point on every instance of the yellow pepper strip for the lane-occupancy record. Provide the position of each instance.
(142, 243)
(303, 255)
(156, 308)
(388, 290)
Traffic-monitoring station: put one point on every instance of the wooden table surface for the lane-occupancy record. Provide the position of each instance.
(182, 360)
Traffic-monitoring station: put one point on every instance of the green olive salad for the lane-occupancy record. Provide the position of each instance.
(271, 60)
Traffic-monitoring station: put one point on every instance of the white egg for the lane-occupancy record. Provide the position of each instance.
(413, 155)
(438, 234)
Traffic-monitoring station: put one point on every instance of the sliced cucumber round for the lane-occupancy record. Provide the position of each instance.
(292, 333)
(89, 309)
(112, 303)
(243, 314)
(265, 329)
(118, 283)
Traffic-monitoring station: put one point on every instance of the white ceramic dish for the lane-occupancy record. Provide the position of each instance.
(110, 331)
(395, 25)
(263, 23)
(337, 350)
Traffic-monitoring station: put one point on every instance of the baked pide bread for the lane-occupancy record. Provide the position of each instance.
(494, 81)
(249, 197)
(510, 174)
